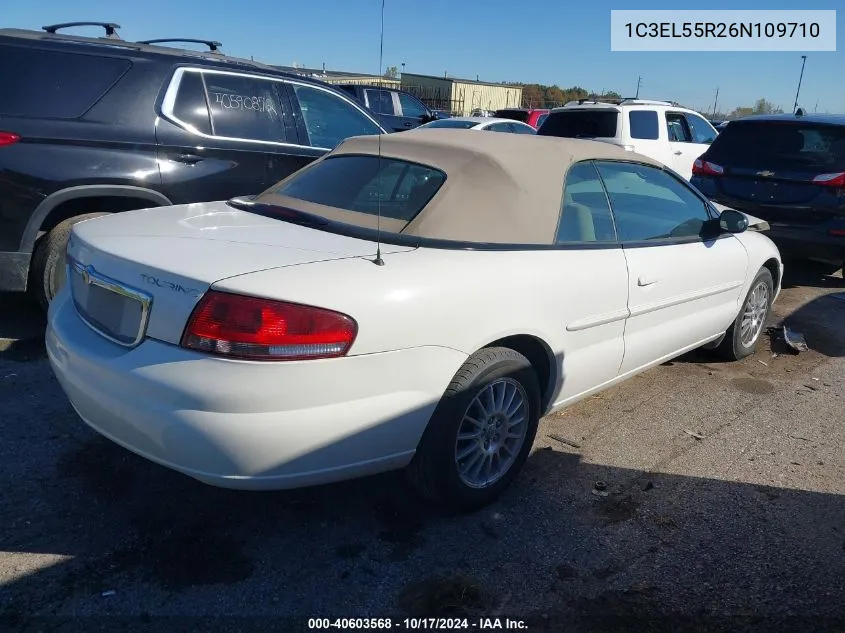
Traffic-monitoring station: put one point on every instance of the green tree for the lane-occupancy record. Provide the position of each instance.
(532, 96)
(543, 96)
(392, 72)
(761, 106)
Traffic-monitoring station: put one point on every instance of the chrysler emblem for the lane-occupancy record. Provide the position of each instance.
(766, 174)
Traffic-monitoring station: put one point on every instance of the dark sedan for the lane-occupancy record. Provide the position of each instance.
(788, 170)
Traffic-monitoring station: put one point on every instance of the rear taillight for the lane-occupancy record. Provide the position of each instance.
(830, 180)
(837, 232)
(7, 138)
(261, 329)
(706, 168)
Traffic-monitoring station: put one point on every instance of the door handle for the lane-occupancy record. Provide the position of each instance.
(678, 153)
(647, 280)
(188, 159)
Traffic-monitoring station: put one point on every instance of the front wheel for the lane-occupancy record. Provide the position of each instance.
(743, 336)
(481, 431)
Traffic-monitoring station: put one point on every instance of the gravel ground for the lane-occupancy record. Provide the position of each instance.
(740, 528)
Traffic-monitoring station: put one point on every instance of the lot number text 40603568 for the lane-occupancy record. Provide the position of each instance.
(417, 624)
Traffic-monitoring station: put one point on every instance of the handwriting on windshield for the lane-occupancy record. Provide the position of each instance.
(229, 101)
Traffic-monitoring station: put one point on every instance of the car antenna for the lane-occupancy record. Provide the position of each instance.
(378, 261)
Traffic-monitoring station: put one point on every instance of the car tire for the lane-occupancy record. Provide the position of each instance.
(438, 471)
(739, 342)
(47, 273)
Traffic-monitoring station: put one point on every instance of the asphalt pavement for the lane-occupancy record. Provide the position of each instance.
(699, 496)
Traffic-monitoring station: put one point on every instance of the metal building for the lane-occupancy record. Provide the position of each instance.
(461, 96)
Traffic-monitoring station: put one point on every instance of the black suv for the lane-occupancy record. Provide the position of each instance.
(788, 170)
(99, 125)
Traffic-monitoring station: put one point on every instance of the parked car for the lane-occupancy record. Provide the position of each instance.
(481, 112)
(788, 170)
(455, 287)
(99, 125)
(398, 110)
(488, 124)
(670, 134)
(532, 116)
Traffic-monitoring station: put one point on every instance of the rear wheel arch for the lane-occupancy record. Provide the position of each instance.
(74, 201)
(49, 227)
(440, 464)
(542, 360)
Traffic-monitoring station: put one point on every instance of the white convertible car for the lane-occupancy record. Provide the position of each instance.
(417, 301)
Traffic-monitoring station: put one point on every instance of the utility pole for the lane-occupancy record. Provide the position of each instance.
(816, 109)
(639, 83)
(801, 76)
(715, 101)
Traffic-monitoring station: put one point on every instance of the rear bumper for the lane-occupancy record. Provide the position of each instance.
(250, 425)
(809, 243)
(14, 270)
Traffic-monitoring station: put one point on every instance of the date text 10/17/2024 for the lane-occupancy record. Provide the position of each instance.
(416, 624)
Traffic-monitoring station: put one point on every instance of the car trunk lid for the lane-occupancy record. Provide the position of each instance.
(169, 257)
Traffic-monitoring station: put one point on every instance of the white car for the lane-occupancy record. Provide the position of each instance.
(416, 300)
(667, 133)
(481, 123)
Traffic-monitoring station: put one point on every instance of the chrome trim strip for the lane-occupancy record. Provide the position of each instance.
(93, 278)
(169, 102)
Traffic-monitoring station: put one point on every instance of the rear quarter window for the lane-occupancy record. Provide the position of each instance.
(581, 124)
(54, 84)
(366, 184)
(190, 105)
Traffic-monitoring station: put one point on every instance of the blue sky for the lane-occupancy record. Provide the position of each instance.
(563, 43)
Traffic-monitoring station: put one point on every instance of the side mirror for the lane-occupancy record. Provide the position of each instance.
(732, 221)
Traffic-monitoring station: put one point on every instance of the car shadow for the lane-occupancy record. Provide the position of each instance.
(810, 274)
(819, 321)
(22, 323)
(105, 540)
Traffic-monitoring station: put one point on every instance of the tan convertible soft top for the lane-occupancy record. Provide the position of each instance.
(500, 188)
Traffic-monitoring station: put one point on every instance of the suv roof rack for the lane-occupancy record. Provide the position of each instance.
(646, 101)
(212, 44)
(110, 27)
(596, 100)
(619, 101)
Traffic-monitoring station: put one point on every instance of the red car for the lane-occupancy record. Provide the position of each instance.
(532, 116)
